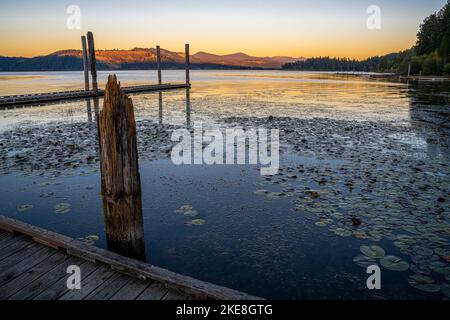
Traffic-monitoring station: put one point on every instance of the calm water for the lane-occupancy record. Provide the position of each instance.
(248, 242)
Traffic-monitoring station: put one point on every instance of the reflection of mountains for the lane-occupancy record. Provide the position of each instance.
(430, 116)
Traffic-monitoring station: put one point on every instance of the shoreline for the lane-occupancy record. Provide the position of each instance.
(393, 76)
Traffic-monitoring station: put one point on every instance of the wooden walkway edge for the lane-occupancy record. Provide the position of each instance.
(78, 94)
(115, 276)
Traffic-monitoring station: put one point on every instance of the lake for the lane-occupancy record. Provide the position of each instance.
(364, 179)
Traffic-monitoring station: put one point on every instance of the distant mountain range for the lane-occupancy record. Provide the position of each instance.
(140, 58)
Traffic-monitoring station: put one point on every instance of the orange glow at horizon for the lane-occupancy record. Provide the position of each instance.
(295, 28)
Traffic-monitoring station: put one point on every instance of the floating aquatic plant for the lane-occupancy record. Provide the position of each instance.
(373, 251)
(423, 283)
(62, 208)
(196, 222)
(364, 261)
(24, 207)
(394, 263)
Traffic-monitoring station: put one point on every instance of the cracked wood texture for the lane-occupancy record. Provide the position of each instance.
(121, 184)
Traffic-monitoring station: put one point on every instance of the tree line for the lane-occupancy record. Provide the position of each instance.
(429, 56)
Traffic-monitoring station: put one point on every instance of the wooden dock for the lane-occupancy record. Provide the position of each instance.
(79, 94)
(34, 261)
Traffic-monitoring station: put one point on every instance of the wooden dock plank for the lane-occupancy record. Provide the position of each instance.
(155, 291)
(24, 265)
(59, 288)
(30, 275)
(90, 283)
(108, 288)
(5, 242)
(4, 234)
(99, 265)
(36, 287)
(81, 94)
(13, 245)
(173, 295)
(131, 290)
(19, 256)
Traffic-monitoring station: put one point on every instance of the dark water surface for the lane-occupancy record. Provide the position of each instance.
(391, 140)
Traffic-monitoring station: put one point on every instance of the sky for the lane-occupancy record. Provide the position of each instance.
(297, 28)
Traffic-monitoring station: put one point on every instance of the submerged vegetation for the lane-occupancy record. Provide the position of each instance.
(430, 55)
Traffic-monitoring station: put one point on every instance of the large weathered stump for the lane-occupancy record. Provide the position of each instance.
(121, 184)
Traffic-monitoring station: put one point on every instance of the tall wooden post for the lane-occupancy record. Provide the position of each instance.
(188, 63)
(158, 63)
(85, 63)
(92, 61)
(121, 184)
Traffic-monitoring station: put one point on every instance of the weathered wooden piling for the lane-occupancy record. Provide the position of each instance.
(92, 61)
(158, 63)
(121, 184)
(188, 63)
(85, 63)
(86, 76)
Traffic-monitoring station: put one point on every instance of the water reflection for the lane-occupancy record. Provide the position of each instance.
(96, 108)
(89, 109)
(188, 107)
(160, 104)
(430, 116)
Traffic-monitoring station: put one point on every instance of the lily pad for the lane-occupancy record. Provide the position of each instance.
(422, 251)
(92, 237)
(342, 232)
(191, 213)
(62, 208)
(276, 195)
(443, 253)
(184, 208)
(394, 263)
(323, 222)
(261, 192)
(440, 267)
(196, 222)
(364, 261)
(420, 269)
(46, 195)
(24, 207)
(373, 251)
(423, 283)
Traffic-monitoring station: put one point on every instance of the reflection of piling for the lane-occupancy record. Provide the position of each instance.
(188, 107)
(92, 61)
(89, 109)
(85, 63)
(121, 185)
(158, 63)
(96, 108)
(160, 103)
(187, 63)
